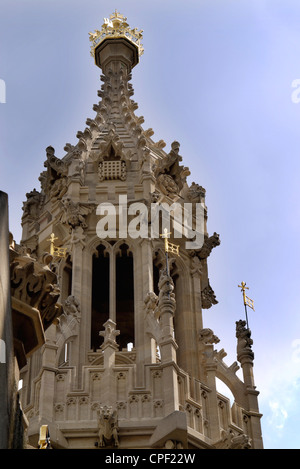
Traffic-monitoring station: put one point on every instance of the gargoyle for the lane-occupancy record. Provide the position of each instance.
(108, 427)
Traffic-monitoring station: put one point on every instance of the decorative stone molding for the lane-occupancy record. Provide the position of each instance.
(112, 169)
(109, 334)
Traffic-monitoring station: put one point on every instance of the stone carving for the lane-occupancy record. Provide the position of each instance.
(59, 188)
(74, 213)
(109, 334)
(166, 295)
(208, 297)
(54, 179)
(170, 175)
(195, 193)
(206, 336)
(112, 169)
(72, 306)
(32, 206)
(35, 284)
(208, 245)
(154, 197)
(230, 440)
(244, 342)
(172, 444)
(151, 301)
(108, 427)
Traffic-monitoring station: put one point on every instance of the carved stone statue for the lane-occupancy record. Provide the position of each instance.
(32, 205)
(230, 440)
(244, 342)
(165, 286)
(74, 213)
(207, 336)
(108, 427)
(208, 297)
(72, 306)
(151, 301)
(171, 176)
(208, 245)
(195, 193)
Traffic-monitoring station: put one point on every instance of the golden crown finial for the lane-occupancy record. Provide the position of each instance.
(116, 26)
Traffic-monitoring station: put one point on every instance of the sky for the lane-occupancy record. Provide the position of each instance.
(220, 77)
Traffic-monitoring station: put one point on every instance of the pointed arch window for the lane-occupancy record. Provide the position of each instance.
(113, 294)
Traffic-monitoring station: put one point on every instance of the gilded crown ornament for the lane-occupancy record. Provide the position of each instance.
(116, 26)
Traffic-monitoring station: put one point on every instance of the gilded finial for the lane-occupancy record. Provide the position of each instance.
(116, 26)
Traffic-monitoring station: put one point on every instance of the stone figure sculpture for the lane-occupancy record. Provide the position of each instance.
(108, 427)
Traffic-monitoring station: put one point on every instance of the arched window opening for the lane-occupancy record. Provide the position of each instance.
(100, 295)
(124, 296)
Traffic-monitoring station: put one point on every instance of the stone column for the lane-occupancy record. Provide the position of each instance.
(245, 356)
(211, 369)
(167, 343)
(47, 393)
(6, 335)
(143, 283)
(79, 291)
(207, 339)
(112, 283)
(109, 347)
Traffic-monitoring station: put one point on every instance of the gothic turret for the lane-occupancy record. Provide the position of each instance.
(130, 347)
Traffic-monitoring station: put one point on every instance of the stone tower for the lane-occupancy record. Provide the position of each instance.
(129, 363)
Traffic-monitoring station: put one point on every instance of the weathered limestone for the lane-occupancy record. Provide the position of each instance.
(129, 363)
(28, 301)
(7, 374)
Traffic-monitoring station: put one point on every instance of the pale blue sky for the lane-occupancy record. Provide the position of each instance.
(216, 76)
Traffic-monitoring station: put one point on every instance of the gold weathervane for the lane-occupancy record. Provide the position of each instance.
(247, 300)
(54, 250)
(169, 247)
(116, 26)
